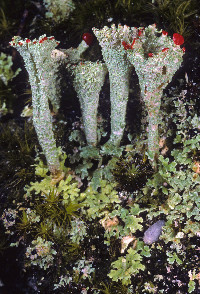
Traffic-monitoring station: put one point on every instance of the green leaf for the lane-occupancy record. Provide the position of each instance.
(165, 190)
(109, 149)
(133, 223)
(191, 286)
(96, 179)
(174, 200)
(125, 267)
(82, 169)
(90, 152)
(172, 257)
(178, 139)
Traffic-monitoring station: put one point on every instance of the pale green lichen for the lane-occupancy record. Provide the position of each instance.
(156, 59)
(41, 253)
(119, 69)
(6, 75)
(78, 231)
(83, 269)
(73, 55)
(88, 81)
(42, 77)
(70, 56)
(6, 72)
(58, 10)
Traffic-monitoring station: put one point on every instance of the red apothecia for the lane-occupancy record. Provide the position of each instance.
(88, 38)
(178, 39)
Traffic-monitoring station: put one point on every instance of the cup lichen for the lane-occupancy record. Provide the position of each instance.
(156, 58)
(119, 68)
(42, 72)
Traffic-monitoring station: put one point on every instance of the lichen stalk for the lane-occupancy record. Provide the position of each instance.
(156, 59)
(88, 80)
(153, 102)
(40, 66)
(73, 55)
(119, 76)
(119, 69)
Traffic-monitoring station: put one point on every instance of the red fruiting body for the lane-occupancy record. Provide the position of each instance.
(41, 41)
(178, 39)
(45, 38)
(34, 42)
(88, 38)
(164, 33)
(126, 46)
(183, 49)
(28, 41)
(51, 38)
(133, 43)
(20, 43)
(57, 43)
(165, 49)
(150, 54)
(139, 33)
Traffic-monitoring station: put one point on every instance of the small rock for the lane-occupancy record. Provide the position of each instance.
(153, 233)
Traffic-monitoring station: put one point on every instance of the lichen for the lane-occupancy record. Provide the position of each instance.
(155, 59)
(42, 77)
(88, 81)
(119, 68)
(58, 10)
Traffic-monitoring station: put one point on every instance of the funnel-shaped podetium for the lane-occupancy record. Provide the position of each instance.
(88, 80)
(119, 68)
(156, 58)
(42, 77)
(73, 55)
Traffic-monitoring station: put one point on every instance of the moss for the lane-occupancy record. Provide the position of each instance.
(175, 14)
(17, 147)
(132, 172)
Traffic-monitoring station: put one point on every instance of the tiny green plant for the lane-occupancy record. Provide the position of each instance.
(130, 264)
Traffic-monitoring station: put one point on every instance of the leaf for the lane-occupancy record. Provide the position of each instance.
(191, 286)
(95, 182)
(172, 257)
(82, 169)
(90, 152)
(165, 190)
(133, 223)
(126, 267)
(111, 150)
(174, 200)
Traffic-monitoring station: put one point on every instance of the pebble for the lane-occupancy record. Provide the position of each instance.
(153, 233)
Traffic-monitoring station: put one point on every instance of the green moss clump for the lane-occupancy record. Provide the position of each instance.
(132, 172)
(175, 14)
(17, 147)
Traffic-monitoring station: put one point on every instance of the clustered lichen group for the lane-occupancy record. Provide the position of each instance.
(58, 10)
(152, 53)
